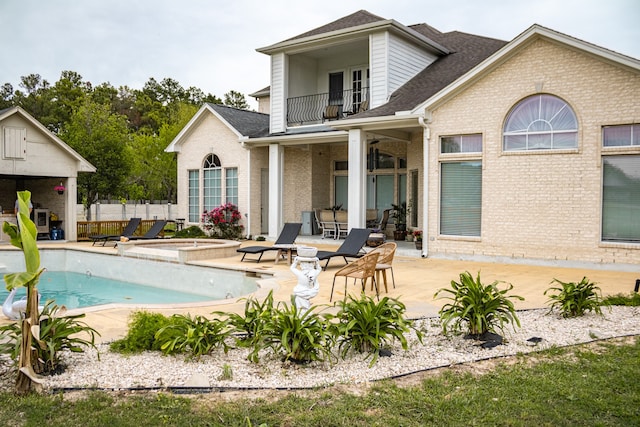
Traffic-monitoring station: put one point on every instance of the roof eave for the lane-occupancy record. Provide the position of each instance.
(305, 43)
(401, 119)
(176, 144)
(84, 165)
(298, 139)
(510, 48)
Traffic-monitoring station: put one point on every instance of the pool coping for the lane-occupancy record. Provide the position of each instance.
(267, 281)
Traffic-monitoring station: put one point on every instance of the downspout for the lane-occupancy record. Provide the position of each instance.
(426, 136)
(247, 215)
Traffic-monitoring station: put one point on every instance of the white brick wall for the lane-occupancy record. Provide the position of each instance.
(212, 136)
(544, 205)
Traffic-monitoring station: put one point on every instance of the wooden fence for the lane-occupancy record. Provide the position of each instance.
(115, 228)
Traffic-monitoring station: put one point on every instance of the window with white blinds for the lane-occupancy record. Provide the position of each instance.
(461, 198)
(621, 198)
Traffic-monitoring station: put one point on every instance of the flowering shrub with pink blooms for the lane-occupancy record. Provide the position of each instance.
(223, 221)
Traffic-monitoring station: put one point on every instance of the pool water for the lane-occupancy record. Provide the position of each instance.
(77, 290)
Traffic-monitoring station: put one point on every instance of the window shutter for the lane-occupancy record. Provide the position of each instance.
(14, 143)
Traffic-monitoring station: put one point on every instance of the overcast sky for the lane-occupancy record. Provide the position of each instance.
(212, 44)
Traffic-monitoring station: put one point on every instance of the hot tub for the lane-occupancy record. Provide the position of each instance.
(178, 250)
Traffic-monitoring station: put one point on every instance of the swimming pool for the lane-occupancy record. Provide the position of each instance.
(76, 290)
(95, 279)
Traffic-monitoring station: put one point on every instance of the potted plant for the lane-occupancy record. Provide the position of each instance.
(409, 237)
(417, 236)
(399, 216)
(59, 188)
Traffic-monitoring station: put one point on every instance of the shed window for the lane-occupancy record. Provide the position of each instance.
(14, 143)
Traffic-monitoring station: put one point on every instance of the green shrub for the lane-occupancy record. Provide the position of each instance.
(574, 299)
(197, 336)
(632, 300)
(190, 232)
(297, 335)
(367, 326)
(10, 340)
(482, 308)
(248, 326)
(57, 333)
(141, 334)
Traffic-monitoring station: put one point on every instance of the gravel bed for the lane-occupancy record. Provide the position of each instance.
(152, 370)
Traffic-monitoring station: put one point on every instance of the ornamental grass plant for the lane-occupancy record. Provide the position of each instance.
(296, 334)
(367, 327)
(574, 299)
(478, 307)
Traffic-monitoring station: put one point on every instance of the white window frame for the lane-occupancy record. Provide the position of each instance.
(231, 185)
(193, 197)
(211, 182)
(609, 139)
(469, 149)
(621, 144)
(551, 121)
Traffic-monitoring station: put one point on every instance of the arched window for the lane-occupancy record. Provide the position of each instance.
(540, 122)
(212, 182)
(211, 162)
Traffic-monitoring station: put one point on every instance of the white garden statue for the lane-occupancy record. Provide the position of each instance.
(307, 275)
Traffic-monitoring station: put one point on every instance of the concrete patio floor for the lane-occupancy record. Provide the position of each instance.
(417, 279)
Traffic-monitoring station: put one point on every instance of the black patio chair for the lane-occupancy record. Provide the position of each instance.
(287, 236)
(128, 231)
(153, 232)
(350, 248)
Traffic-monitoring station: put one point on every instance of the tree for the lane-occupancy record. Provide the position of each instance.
(236, 100)
(154, 170)
(36, 98)
(69, 93)
(101, 137)
(6, 96)
(197, 97)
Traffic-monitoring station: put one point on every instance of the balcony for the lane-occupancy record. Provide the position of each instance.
(322, 107)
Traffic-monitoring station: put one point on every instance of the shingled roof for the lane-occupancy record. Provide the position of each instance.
(360, 17)
(467, 51)
(247, 123)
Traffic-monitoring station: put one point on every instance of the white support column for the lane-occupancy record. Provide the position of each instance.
(276, 164)
(426, 137)
(70, 215)
(357, 179)
(248, 196)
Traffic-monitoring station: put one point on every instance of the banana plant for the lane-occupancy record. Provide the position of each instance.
(23, 236)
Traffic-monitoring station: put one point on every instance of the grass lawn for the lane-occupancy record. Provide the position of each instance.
(589, 385)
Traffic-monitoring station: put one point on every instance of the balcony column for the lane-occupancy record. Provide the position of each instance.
(357, 179)
(276, 162)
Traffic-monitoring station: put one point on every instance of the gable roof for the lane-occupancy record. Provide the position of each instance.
(360, 23)
(360, 17)
(83, 164)
(468, 51)
(525, 38)
(244, 123)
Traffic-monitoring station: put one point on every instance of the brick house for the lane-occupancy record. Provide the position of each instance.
(528, 149)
